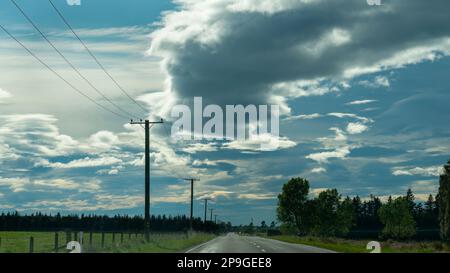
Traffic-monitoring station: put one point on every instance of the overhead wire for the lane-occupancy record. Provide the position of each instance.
(94, 57)
(59, 75)
(69, 62)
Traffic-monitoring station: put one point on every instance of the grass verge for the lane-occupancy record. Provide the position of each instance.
(359, 246)
(44, 242)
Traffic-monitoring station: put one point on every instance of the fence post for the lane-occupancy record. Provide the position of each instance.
(68, 237)
(90, 238)
(56, 242)
(121, 238)
(31, 244)
(129, 236)
(113, 237)
(103, 239)
(75, 236)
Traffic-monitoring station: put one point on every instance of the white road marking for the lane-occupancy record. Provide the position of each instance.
(201, 245)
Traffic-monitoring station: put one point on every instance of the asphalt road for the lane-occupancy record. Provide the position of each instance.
(234, 243)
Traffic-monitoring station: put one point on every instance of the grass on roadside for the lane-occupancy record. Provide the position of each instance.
(359, 246)
(18, 242)
(164, 243)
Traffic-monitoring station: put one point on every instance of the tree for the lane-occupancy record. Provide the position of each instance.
(327, 208)
(346, 216)
(263, 224)
(358, 209)
(444, 203)
(292, 201)
(410, 199)
(272, 225)
(429, 204)
(397, 219)
(263, 227)
(333, 217)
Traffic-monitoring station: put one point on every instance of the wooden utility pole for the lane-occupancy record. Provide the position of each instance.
(147, 127)
(211, 214)
(192, 198)
(206, 207)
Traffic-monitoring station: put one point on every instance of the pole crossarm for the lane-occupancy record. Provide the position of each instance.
(143, 122)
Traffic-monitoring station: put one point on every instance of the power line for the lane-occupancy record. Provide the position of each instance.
(59, 76)
(68, 62)
(94, 57)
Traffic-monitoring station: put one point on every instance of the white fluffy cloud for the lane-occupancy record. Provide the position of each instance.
(354, 128)
(323, 157)
(4, 95)
(318, 170)
(200, 147)
(261, 143)
(35, 134)
(86, 162)
(257, 196)
(103, 140)
(360, 102)
(100, 202)
(18, 184)
(420, 171)
(378, 82)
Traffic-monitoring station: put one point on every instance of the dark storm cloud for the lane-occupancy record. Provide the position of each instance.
(231, 53)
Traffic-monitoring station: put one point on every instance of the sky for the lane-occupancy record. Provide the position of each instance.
(363, 93)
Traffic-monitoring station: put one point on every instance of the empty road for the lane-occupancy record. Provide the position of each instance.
(233, 243)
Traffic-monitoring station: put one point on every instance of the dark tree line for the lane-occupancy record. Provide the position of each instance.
(425, 214)
(328, 214)
(13, 221)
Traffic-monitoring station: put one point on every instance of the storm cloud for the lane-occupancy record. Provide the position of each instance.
(258, 52)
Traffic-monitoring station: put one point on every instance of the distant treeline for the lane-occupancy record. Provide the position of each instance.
(13, 221)
(350, 217)
(329, 214)
(425, 214)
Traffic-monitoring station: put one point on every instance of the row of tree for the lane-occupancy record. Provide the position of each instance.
(329, 214)
(43, 222)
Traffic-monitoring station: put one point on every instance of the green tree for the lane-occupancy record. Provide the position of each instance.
(410, 198)
(263, 226)
(346, 216)
(444, 203)
(291, 203)
(429, 204)
(327, 212)
(332, 217)
(272, 225)
(397, 219)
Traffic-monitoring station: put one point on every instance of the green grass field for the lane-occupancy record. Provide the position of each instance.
(44, 242)
(359, 246)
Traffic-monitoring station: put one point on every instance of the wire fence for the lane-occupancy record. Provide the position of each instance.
(91, 242)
